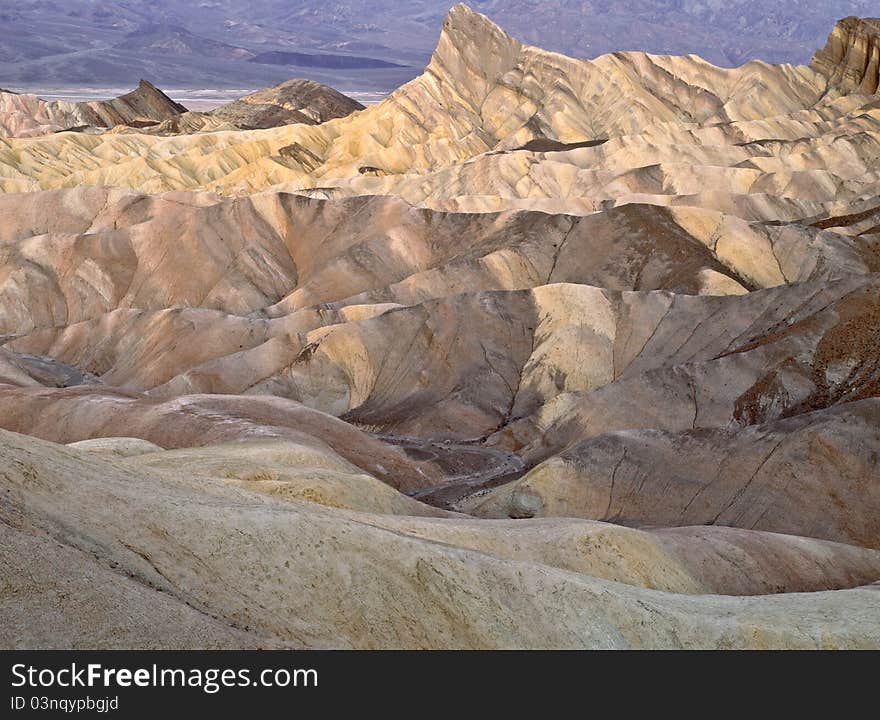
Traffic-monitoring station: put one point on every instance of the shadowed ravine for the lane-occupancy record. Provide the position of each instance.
(469, 468)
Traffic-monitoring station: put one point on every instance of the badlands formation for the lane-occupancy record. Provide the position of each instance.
(537, 352)
(28, 115)
(148, 109)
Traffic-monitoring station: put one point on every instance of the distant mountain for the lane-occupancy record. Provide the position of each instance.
(179, 41)
(324, 60)
(360, 43)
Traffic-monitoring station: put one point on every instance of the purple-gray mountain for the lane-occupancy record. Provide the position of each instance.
(371, 44)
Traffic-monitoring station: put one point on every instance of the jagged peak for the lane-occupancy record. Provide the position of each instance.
(461, 13)
(148, 97)
(851, 57)
(464, 30)
(473, 51)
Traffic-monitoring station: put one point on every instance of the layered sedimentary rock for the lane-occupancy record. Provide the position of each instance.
(81, 413)
(28, 115)
(809, 475)
(292, 102)
(851, 58)
(149, 110)
(537, 352)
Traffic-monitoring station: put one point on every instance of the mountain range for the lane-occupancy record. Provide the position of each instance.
(369, 44)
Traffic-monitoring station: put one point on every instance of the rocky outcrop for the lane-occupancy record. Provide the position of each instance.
(145, 105)
(289, 103)
(28, 115)
(851, 58)
(148, 110)
(293, 101)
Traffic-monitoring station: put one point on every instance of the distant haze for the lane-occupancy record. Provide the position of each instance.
(370, 45)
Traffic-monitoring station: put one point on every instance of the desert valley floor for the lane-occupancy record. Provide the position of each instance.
(537, 352)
